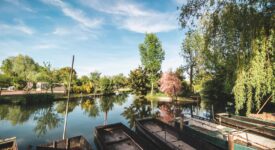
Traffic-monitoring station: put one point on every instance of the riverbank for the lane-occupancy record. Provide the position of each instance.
(163, 98)
(30, 98)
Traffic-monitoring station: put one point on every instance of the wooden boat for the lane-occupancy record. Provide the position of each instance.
(118, 137)
(8, 144)
(166, 137)
(220, 132)
(73, 143)
(265, 128)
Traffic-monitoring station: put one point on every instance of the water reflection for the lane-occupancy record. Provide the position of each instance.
(46, 120)
(40, 123)
(90, 107)
(140, 108)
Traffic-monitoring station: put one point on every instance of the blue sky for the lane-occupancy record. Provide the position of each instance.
(102, 34)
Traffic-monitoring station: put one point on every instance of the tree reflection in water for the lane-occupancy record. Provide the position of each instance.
(61, 106)
(90, 107)
(46, 120)
(106, 104)
(140, 108)
(43, 115)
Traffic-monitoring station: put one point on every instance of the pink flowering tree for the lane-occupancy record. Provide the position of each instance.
(170, 84)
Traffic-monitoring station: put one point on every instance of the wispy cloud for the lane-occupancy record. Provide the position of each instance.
(21, 5)
(134, 17)
(21, 27)
(44, 46)
(75, 14)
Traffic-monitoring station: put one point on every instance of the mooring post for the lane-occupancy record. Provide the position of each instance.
(213, 115)
(67, 103)
(191, 111)
(230, 142)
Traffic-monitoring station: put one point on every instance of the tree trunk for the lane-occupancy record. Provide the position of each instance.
(152, 88)
(52, 89)
(191, 78)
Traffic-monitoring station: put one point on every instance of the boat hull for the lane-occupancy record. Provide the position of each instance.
(253, 125)
(118, 136)
(75, 143)
(188, 138)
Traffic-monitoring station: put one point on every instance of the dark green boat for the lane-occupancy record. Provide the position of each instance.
(261, 127)
(166, 137)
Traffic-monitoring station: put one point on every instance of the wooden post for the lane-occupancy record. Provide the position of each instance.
(264, 104)
(213, 115)
(67, 104)
(230, 142)
(191, 111)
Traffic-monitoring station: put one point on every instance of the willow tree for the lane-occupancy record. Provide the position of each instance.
(152, 55)
(239, 46)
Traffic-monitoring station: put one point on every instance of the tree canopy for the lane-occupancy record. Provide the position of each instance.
(238, 48)
(152, 55)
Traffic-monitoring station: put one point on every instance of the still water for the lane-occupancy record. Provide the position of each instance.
(40, 124)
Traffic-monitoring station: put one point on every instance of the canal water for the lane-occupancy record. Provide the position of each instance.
(38, 124)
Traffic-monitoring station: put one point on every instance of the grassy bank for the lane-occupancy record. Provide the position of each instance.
(163, 97)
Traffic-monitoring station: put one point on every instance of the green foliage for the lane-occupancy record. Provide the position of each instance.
(94, 77)
(106, 85)
(191, 51)
(120, 81)
(255, 80)
(238, 48)
(21, 69)
(5, 81)
(138, 80)
(47, 74)
(152, 55)
(63, 76)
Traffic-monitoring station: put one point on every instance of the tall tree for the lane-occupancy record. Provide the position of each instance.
(94, 77)
(152, 55)
(239, 46)
(20, 68)
(191, 49)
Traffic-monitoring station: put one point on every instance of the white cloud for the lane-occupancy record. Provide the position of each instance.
(135, 17)
(21, 27)
(75, 14)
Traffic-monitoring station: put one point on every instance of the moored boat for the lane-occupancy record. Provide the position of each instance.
(261, 127)
(118, 137)
(8, 144)
(73, 143)
(242, 139)
(166, 137)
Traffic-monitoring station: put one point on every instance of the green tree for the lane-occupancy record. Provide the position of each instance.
(106, 85)
(120, 81)
(63, 76)
(138, 80)
(94, 77)
(21, 69)
(152, 55)
(191, 49)
(5, 81)
(47, 74)
(239, 48)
